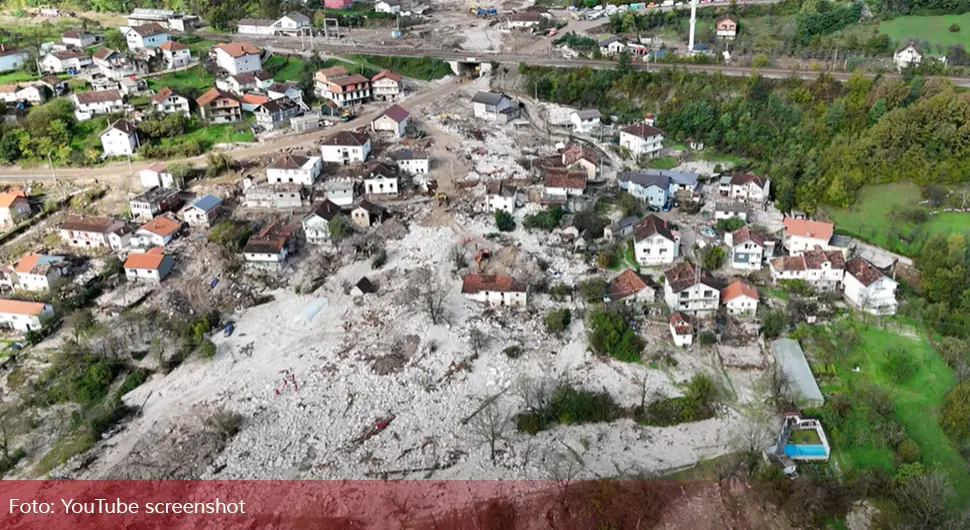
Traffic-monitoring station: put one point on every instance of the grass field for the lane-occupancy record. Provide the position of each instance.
(933, 29)
(16, 76)
(191, 82)
(213, 134)
(290, 68)
(869, 219)
(663, 162)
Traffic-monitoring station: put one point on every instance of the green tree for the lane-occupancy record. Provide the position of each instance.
(557, 320)
(611, 334)
(624, 64)
(713, 258)
(340, 227)
(955, 413)
(504, 221)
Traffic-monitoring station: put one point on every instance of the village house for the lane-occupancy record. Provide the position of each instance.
(394, 120)
(158, 232)
(804, 234)
(411, 163)
(681, 329)
(151, 266)
(500, 195)
(338, 4)
(342, 192)
(11, 58)
(155, 176)
(642, 140)
(174, 20)
(611, 46)
(288, 89)
(683, 184)
(316, 225)
(345, 147)
(380, 180)
(255, 26)
(349, 90)
(908, 55)
(241, 84)
(146, 36)
(78, 39)
(631, 287)
(524, 19)
(561, 183)
(293, 23)
(296, 169)
(202, 212)
(94, 232)
(131, 86)
(690, 291)
(386, 85)
(56, 85)
(651, 187)
(388, 6)
(276, 113)
(24, 316)
(621, 228)
(494, 106)
(90, 104)
(585, 121)
(750, 187)
(495, 290)
(726, 27)
(168, 102)
(578, 157)
(175, 54)
(323, 77)
(747, 249)
(115, 65)
(14, 207)
(740, 298)
(217, 106)
(654, 243)
(250, 102)
(730, 210)
(153, 202)
(368, 214)
(34, 272)
(866, 287)
(70, 61)
(277, 196)
(823, 269)
(270, 248)
(120, 139)
(237, 57)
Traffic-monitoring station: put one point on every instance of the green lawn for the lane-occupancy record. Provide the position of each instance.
(213, 134)
(17, 76)
(197, 45)
(663, 162)
(87, 134)
(192, 82)
(290, 68)
(933, 29)
(869, 219)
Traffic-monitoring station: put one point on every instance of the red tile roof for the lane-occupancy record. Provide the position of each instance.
(737, 288)
(397, 113)
(476, 283)
(743, 178)
(565, 178)
(650, 225)
(807, 228)
(642, 130)
(744, 234)
(163, 226)
(628, 283)
(9, 198)
(862, 270)
(150, 260)
(387, 74)
(19, 307)
(238, 49)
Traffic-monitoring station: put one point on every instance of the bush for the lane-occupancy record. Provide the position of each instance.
(547, 219)
(379, 259)
(558, 320)
(773, 323)
(900, 365)
(707, 338)
(713, 258)
(955, 412)
(697, 404)
(132, 381)
(954, 28)
(528, 422)
(207, 350)
(610, 334)
(908, 451)
(513, 352)
(504, 221)
(560, 291)
(604, 260)
(730, 225)
(592, 290)
(569, 406)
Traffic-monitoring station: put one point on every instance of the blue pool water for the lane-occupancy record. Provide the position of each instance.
(805, 450)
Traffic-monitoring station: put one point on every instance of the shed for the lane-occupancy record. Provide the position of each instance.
(793, 364)
(364, 286)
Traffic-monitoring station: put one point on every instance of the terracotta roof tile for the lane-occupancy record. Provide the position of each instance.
(736, 288)
(7, 199)
(163, 226)
(628, 283)
(150, 260)
(862, 270)
(744, 235)
(565, 178)
(238, 49)
(19, 307)
(388, 75)
(650, 225)
(807, 228)
(476, 283)
(642, 130)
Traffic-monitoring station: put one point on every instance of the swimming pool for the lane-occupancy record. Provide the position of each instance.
(806, 450)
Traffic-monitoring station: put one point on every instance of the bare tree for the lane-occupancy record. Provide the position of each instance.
(536, 393)
(490, 425)
(477, 340)
(562, 468)
(432, 294)
(458, 257)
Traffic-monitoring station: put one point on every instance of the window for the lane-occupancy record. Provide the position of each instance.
(708, 294)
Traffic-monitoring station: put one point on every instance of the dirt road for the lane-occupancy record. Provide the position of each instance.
(116, 173)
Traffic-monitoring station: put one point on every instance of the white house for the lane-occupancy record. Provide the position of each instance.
(158, 232)
(14, 207)
(34, 272)
(120, 139)
(585, 121)
(147, 36)
(65, 61)
(654, 243)
(345, 147)
(388, 6)
(345, 91)
(630, 287)
(155, 176)
(316, 225)
(386, 85)
(740, 298)
(747, 249)
(295, 169)
(650, 186)
(380, 180)
(150, 266)
(492, 106)
(750, 187)
(495, 290)
(690, 292)
(726, 27)
(499, 195)
(412, 163)
(90, 104)
(202, 212)
(11, 58)
(176, 54)
(78, 39)
(287, 89)
(342, 192)
(94, 232)
(276, 113)
(270, 248)
(30, 93)
(562, 183)
(293, 23)
(23, 316)
(255, 26)
(823, 269)
(394, 119)
(642, 140)
(907, 55)
(575, 156)
(681, 329)
(730, 210)
(237, 57)
(168, 102)
(612, 46)
(867, 288)
(804, 234)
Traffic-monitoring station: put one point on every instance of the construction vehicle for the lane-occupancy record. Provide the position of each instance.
(441, 198)
(347, 115)
(482, 255)
(483, 11)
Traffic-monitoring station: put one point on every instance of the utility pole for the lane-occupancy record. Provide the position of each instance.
(50, 161)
